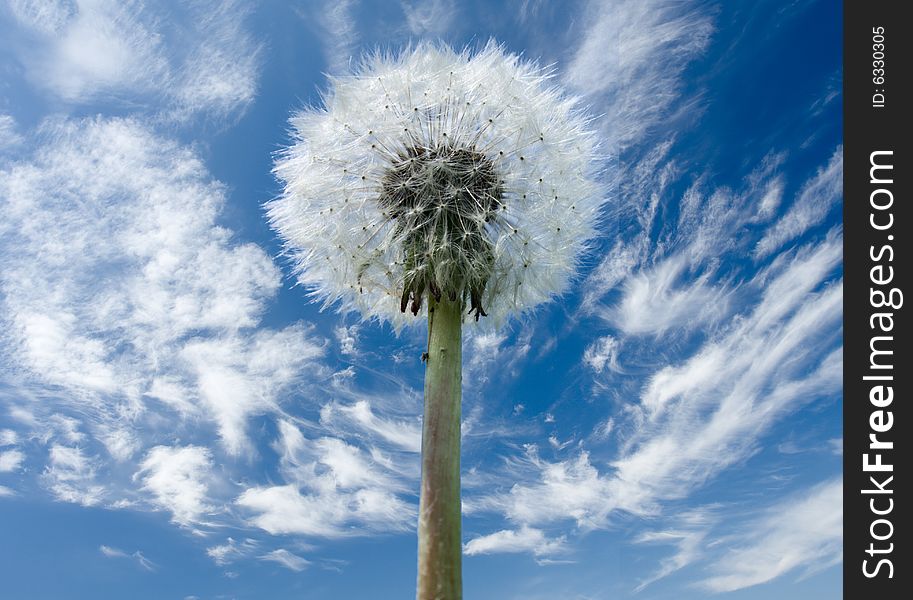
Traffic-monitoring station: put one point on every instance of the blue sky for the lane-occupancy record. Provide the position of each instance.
(177, 420)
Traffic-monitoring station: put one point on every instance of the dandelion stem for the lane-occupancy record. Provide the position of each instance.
(439, 541)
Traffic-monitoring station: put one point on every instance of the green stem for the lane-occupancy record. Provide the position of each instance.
(439, 541)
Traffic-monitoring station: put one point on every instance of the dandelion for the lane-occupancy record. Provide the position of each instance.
(452, 185)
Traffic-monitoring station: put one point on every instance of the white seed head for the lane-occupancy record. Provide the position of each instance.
(437, 173)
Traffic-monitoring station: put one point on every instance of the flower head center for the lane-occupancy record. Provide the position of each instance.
(442, 199)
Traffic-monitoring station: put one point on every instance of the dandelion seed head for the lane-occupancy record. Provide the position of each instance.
(438, 173)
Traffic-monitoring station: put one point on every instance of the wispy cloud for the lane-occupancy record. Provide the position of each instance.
(630, 62)
(688, 538)
(405, 435)
(331, 484)
(602, 354)
(525, 539)
(334, 22)
(241, 376)
(429, 18)
(567, 489)
(111, 260)
(10, 460)
(70, 476)
(802, 532)
(665, 298)
(9, 134)
(817, 198)
(177, 479)
(112, 552)
(286, 559)
(348, 339)
(231, 550)
(8, 437)
(198, 60)
(642, 187)
(218, 75)
(89, 49)
(131, 318)
(706, 414)
(668, 272)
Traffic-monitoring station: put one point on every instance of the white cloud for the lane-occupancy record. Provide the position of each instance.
(143, 561)
(429, 17)
(631, 58)
(119, 287)
(111, 552)
(9, 136)
(817, 198)
(177, 478)
(237, 378)
(71, 360)
(184, 60)
(283, 510)
(402, 434)
(335, 24)
(688, 550)
(602, 354)
(6, 492)
(286, 559)
(47, 17)
(705, 229)
(668, 298)
(223, 554)
(219, 73)
(231, 551)
(348, 339)
(70, 476)
(525, 539)
(709, 412)
(670, 265)
(495, 354)
(8, 437)
(617, 264)
(482, 350)
(343, 485)
(106, 194)
(642, 187)
(87, 49)
(805, 531)
(62, 427)
(10, 460)
(700, 417)
(688, 538)
(571, 489)
(325, 463)
(770, 201)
